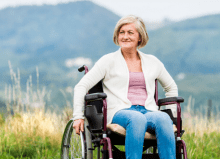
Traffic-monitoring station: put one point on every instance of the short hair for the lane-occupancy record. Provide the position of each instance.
(139, 25)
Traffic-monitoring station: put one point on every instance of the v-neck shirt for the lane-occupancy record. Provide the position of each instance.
(137, 92)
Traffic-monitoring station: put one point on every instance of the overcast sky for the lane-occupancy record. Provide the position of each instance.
(149, 10)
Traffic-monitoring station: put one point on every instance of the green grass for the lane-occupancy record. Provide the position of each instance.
(29, 147)
(206, 146)
(202, 142)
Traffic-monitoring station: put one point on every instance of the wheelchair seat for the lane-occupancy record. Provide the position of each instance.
(118, 129)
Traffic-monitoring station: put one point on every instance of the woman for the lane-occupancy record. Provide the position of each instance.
(129, 82)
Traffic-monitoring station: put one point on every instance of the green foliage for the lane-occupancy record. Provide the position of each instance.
(28, 148)
(2, 120)
(203, 147)
(206, 146)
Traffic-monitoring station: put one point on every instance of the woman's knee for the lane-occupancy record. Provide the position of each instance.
(164, 118)
(137, 118)
(138, 122)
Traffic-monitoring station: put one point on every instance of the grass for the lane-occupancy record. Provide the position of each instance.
(206, 146)
(202, 144)
(38, 135)
(30, 135)
(32, 132)
(27, 128)
(202, 135)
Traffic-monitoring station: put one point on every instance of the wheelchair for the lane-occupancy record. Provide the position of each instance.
(106, 140)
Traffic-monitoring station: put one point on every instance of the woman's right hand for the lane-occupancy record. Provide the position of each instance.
(78, 125)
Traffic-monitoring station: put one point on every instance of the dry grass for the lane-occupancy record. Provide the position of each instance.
(28, 129)
(37, 124)
(202, 135)
(198, 123)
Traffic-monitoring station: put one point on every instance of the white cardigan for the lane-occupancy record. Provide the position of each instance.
(112, 68)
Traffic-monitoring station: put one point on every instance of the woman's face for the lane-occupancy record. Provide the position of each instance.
(128, 36)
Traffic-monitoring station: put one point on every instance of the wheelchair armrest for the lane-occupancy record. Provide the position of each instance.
(95, 96)
(170, 99)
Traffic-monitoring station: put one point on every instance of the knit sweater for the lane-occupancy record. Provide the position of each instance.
(112, 68)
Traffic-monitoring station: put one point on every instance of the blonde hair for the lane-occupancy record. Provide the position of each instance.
(139, 25)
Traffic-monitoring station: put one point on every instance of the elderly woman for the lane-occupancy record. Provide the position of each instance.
(129, 82)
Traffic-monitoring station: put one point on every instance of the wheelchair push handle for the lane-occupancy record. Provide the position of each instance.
(83, 68)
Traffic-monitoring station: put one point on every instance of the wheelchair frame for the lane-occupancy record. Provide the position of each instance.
(98, 135)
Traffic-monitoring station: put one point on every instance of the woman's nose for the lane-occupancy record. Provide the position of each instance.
(126, 36)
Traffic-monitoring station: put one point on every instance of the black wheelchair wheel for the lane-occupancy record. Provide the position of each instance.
(73, 146)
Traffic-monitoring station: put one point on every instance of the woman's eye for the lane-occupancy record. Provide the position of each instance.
(121, 32)
(131, 33)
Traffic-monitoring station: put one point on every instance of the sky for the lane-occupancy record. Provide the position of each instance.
(149, 10)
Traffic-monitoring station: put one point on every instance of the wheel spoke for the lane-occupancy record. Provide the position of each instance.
(73, 145)
(76, 146)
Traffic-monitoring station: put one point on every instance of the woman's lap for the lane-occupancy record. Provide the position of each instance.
(124, 116)
(140, 115)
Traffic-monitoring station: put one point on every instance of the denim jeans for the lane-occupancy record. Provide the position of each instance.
(137, 120)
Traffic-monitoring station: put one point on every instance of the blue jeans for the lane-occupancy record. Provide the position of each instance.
(137, 120)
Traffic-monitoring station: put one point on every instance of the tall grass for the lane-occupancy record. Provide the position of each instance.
(202, 135)
(29, 130)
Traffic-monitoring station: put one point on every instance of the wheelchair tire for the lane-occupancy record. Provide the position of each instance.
(73, 146)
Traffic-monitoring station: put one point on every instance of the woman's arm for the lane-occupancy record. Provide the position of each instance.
(169, 87)
(96, 74)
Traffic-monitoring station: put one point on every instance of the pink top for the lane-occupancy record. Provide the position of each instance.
(137, 92)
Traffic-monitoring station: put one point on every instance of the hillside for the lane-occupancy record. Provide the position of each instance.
(190, 46)
(54, 37)
(46, 36)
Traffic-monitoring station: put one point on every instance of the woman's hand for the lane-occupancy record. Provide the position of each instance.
(78, 125)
